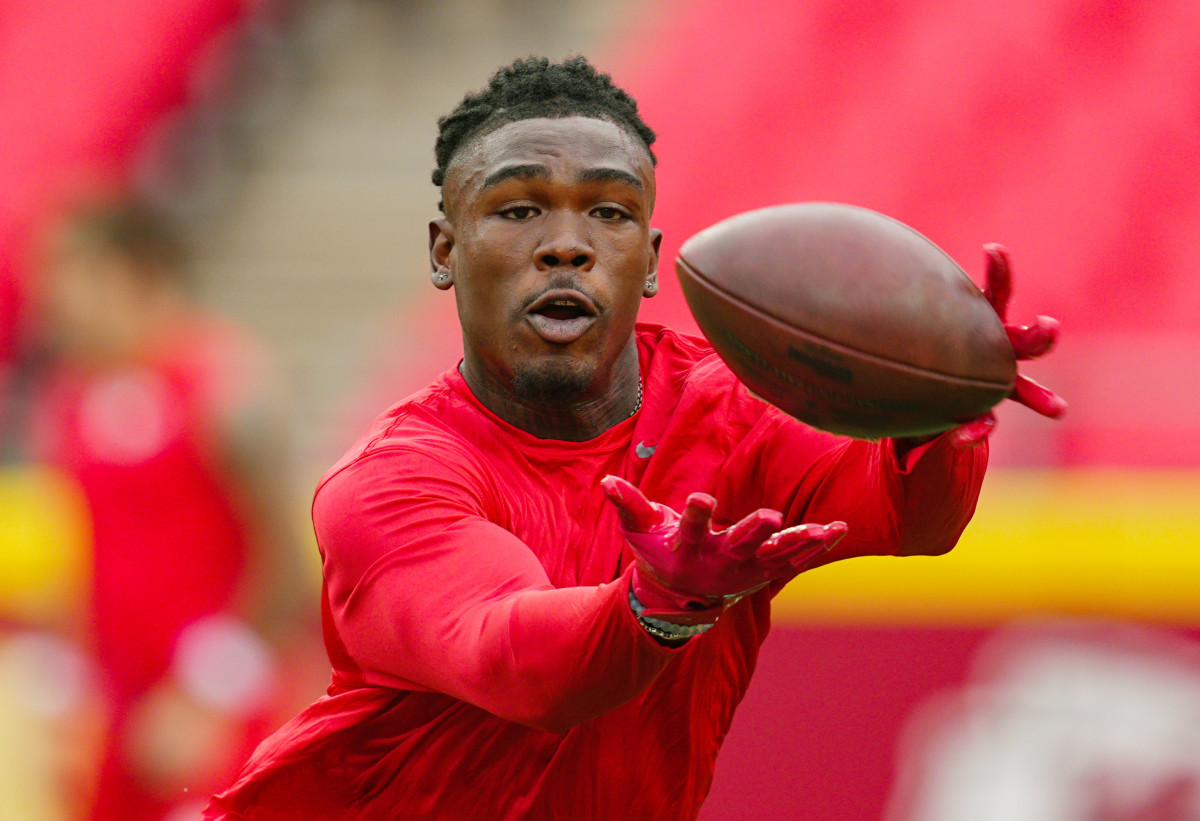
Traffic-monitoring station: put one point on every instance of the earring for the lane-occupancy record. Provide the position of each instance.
(442, 278)
(651, 286)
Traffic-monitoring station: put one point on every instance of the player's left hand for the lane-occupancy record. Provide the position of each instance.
(1028, 342)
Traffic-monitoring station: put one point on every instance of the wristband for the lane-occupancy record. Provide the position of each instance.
(663, 629)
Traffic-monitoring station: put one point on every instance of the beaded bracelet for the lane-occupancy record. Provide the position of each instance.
(663, 629)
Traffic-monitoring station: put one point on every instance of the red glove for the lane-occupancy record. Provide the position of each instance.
(1028, 341)
(687, 574)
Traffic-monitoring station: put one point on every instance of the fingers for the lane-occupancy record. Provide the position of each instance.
(1038, 397)
(999, 279)
(972, 433)
(1028, 342)
(1029, 393)
(799, 546)
(746, 537)
(695, 519)
(637, 513)
(1032, 341)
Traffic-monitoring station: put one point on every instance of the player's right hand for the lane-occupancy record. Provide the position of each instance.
(688, 573)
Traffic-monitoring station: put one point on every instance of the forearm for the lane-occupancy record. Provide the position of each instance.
(917, 503)
(557, 658)
(546, 658)
(939, 489)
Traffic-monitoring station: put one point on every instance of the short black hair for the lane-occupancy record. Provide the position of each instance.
(536, 87)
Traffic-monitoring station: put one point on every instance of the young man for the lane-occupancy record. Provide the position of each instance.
(516, 630)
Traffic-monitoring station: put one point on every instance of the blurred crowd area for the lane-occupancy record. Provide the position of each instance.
(212, 252)
(183, 313)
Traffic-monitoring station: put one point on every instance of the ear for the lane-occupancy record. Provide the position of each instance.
(651, 287)
(441, 243)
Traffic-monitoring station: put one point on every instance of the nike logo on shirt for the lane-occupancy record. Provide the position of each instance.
(644, 451)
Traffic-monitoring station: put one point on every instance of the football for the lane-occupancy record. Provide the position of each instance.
(847, 319)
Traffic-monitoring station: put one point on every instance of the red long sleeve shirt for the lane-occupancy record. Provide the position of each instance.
(486, 663)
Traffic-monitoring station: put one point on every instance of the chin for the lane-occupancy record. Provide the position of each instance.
(552, 381)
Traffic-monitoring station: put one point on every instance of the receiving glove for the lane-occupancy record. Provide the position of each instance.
(1028, 342)
(687, 573)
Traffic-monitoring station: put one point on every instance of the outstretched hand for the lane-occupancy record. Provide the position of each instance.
(1028, 342)
(687, 572)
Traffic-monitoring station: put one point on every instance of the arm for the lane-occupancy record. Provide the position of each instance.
(426, 593)
(917, 503)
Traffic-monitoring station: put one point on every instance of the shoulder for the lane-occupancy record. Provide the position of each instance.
(665, 346)
(686, 372)
(412, 477)
(418, 442)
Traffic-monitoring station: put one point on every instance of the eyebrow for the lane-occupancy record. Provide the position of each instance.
(537, 171)
(523, 172)
(610, 175)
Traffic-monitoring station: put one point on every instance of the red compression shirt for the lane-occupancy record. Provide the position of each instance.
(485, 660)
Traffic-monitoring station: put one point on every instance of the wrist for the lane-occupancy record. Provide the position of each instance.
(660, 628)
(664, 603)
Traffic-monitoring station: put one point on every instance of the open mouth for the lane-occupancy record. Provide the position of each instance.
(562, 309)
(561, 316)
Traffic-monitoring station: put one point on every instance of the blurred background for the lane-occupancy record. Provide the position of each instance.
(213, 274)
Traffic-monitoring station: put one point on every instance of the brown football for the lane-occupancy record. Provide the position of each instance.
(847, 319)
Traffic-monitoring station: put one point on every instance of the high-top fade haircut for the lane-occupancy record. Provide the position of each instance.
(535, 87)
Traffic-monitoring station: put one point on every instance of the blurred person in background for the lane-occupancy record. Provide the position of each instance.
(157, 411)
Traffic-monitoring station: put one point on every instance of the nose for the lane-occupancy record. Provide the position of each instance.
(565, 243)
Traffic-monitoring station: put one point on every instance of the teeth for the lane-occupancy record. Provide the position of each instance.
(566, 303)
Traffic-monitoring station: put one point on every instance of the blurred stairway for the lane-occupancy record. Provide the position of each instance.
(322, 235)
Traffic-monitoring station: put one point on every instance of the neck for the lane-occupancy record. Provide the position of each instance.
(576, 419)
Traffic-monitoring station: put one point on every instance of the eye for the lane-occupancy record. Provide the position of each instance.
(609, 213)
(519, 213)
